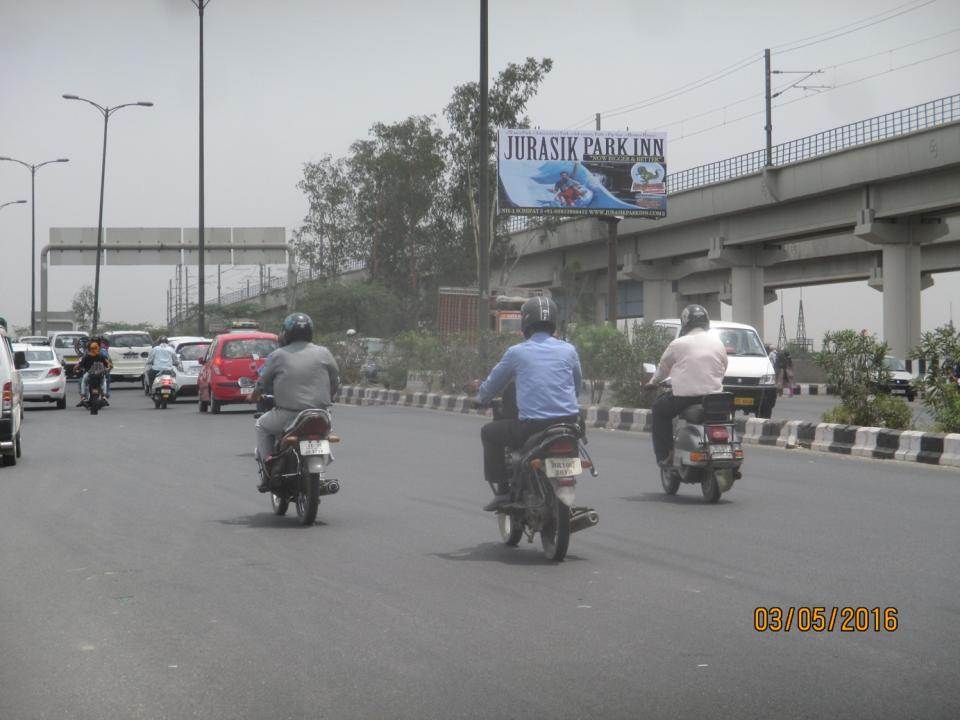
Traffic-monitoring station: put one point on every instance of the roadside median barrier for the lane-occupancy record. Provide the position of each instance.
(867, 442)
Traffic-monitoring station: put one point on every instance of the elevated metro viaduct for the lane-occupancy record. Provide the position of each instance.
(886, 212)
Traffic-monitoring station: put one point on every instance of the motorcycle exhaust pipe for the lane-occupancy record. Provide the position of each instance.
(583, 518)
(331, 487)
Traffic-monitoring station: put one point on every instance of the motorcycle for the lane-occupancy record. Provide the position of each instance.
(543, 477)
(95, 388)
(707, 451)
(164, 388)
(296, 471)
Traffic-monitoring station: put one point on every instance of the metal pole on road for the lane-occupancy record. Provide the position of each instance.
(33, 232)
(106, 112)
(483, 303)
(201, 320)
(769, 125)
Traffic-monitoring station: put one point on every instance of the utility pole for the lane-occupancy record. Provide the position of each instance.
(186, 289)
(201, 324)
(483, 304)
(768, 159)
(613, 299)
(218, 284)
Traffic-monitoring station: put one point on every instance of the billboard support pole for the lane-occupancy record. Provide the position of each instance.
(483, 304)
(613, 299)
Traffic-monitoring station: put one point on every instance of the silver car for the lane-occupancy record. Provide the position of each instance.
(189, 353)
(44, 380)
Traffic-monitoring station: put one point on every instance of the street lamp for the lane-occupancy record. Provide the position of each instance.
(12, 202)
(33, 233)
(201, 270)
(106, 112)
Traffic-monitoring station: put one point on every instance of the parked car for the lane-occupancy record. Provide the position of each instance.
(44, 380)
(11, 400)
(901, 380)
(750, 374)
(230, 368)
(128, 351)
(34, 340)
(63, 344)
(376, 352)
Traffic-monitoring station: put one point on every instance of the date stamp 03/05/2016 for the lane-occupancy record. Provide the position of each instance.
(818, 619)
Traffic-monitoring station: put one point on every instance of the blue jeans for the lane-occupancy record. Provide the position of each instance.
(85, 385)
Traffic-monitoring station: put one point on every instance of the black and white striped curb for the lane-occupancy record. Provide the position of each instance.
(877, 443)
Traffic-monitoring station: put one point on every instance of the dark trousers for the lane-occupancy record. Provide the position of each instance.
(499, 435)
(665, 409)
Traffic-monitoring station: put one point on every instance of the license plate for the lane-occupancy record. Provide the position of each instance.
(246, 390)
(721, 451)
(314, 447)
(563, 467)
(165, 393)
(743, 401)
(70, 358)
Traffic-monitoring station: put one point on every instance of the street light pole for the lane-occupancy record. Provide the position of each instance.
(483, 279)
(106, 112)
(33, 233)
(201, 274)
(12, 202)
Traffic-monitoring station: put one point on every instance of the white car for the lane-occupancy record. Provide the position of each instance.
(34, 340)
(128, 350)
(750, 374)
(63, 345)
(901, 379)
(44, 379)
(11, 400)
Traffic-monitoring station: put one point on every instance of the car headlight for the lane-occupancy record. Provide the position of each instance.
(767, 380)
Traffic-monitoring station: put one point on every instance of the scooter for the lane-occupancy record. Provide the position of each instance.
(707, 450)
(165, 388)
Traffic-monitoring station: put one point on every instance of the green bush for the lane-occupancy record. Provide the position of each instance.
(646, 345)
(603, 350)
(883, 411)
(940, 350)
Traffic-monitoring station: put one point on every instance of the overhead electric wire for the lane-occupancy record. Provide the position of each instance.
(807, 97)
(859, 27)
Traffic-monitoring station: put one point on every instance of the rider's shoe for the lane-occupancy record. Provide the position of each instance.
(667, 462)
(497, 502)
(737, 474)
(264, 486)
(80, 404)
(105, 402)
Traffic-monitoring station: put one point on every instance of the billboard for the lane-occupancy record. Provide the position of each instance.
(579, 172)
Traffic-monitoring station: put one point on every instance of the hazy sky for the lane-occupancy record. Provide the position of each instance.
(290, 80)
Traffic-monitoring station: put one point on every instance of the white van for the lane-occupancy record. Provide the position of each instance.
(128, 352)
(750, 374)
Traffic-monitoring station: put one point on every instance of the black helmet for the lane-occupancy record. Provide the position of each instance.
(694, 316)
(538, 314)
(296, 326)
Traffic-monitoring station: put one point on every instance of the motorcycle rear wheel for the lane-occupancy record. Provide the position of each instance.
(308, 499)
(670, 481)
(555, 534)
(510, 529)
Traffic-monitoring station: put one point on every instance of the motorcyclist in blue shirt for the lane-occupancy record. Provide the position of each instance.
(547, 374)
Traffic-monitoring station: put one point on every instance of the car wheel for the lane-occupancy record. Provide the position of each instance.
(19, 446)
(214, 406)
(8, 460)
(62, 404)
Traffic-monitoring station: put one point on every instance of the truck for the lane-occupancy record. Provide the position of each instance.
(457, 309)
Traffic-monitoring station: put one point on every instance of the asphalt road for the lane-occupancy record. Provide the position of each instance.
(142, 576)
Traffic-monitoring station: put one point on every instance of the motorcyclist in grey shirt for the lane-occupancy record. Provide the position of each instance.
(300, 376)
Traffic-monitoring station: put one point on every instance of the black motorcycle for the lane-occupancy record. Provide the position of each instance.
(95, 388)
(296, 471)
(543, 475)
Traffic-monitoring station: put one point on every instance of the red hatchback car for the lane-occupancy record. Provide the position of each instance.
(231, 367)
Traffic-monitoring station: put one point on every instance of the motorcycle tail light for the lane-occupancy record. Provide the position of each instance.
(315, 425)
(738, 454)
(54, 372)
(334, 438)
(586, 463)
(718, 433)
(290, 440)
(7, 405)
(562, 446)
(698, 457)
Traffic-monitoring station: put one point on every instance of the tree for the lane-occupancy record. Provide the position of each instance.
(82, 306)
(603, 350)
(369, 308)
(940, 386)
(329, 237)
(509, 95)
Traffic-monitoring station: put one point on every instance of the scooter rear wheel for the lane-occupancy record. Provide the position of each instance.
(710, 487)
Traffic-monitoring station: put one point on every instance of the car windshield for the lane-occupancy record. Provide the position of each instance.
(37, 355)
(374, 346)
(66, 341)
(129, 340)
(894, 364)
(740, 342)
(262, 347)
(193, 352)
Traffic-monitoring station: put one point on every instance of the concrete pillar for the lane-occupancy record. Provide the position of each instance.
(747, 296)
(901, 297)
(660, 300)
(901, 279)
